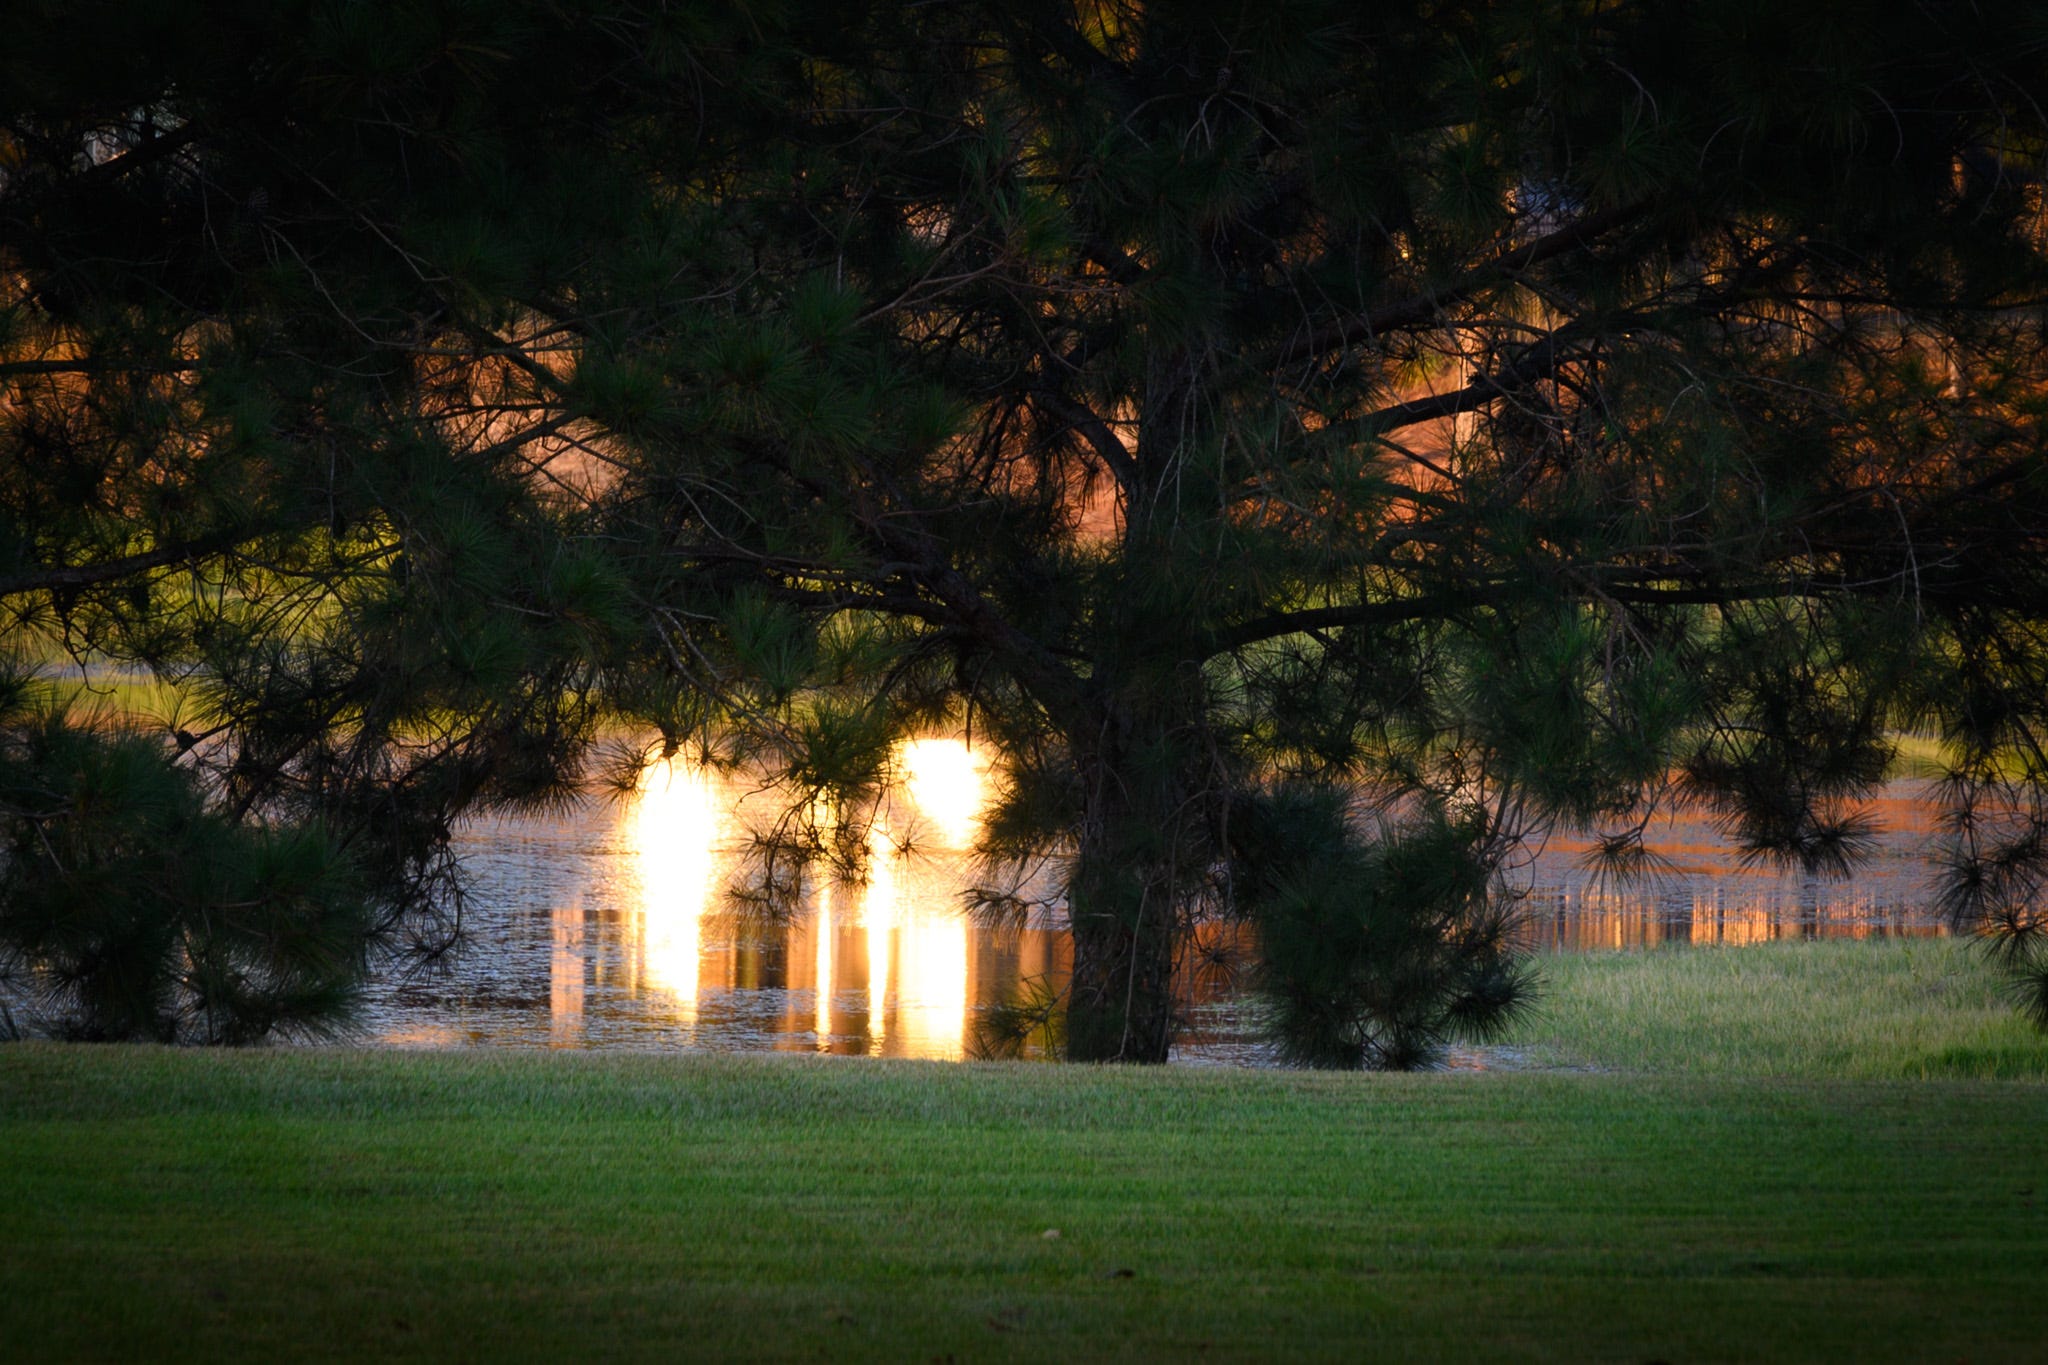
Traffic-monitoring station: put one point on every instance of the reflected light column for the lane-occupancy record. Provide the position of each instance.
(931, 1004)
(878, 908)
(675, 836)
(948, 784)
(565, 977)
(823, 1027)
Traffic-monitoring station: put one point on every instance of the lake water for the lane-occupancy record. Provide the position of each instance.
(607, 928)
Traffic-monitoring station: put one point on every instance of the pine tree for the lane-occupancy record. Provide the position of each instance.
(1513, 415)
(1321, 447)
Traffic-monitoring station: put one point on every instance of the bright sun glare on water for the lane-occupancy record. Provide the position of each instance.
(914, 979)
(945, 780)
(676, 835)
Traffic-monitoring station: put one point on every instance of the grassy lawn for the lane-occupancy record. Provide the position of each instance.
(1828, 1010)
(1810, 1152)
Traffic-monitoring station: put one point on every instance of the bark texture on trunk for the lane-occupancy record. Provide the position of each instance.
(1121, 1003)
(1135, 878)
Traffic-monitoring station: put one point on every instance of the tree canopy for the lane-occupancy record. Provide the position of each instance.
(1321, 448)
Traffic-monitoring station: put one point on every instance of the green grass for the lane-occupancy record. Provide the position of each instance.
(1828, 1009)
(158, 1204)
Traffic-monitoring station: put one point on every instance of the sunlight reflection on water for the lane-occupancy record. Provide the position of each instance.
(608, 927)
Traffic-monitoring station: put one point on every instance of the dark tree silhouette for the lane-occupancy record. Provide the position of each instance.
(1321, 447)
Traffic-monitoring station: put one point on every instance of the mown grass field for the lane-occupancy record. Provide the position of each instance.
(1812, 1152)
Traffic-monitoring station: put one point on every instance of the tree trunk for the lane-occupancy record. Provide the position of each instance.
(1120, 1001)
(1145, 846)
(1136, 876)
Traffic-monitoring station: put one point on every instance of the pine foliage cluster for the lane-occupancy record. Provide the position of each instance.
(130, 909)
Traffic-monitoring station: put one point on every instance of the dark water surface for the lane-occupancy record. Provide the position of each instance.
(607, 928)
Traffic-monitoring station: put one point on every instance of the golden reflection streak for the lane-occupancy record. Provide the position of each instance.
(675, 834)
(931, 1007)
(565, 976)
(823, 1027)
(947, 783)
(878, 908)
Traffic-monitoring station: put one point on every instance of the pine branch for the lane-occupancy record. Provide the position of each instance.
(1091, 428)
(60, 577)
(86, 365)
(1418, 309)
